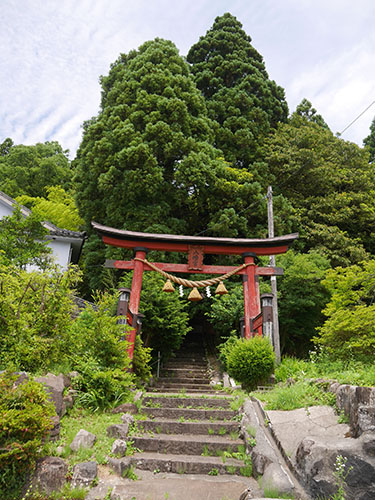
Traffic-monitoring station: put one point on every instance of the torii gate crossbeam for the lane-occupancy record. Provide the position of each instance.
(196, 247)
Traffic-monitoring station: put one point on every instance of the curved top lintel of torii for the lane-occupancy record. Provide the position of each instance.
(180, 243)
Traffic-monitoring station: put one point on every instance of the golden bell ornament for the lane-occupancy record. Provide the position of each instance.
(194, 295)
(168, 287)
(221, 290)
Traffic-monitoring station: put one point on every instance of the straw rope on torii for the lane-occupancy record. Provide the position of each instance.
(194, 284)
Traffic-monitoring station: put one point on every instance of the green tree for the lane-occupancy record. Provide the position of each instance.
(301, 300)
(349, 330)
(31, 169)
(166, 320)
(244, 103)
(369, 141)
(59, 208)
(330, 185)
(306, 110)
(22, 240)
(147, 163)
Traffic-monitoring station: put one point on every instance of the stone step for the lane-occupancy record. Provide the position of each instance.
(188, 365)
(178, 386)
(176, 402)
(188, 444)
(178, 464)
(176, 390)
(168, 426)
(175, 487)
(196, 414)
(183, 380)
(183, 372)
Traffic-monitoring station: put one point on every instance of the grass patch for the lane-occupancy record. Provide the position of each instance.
(348, 371)
(96, 423)
(299, 395)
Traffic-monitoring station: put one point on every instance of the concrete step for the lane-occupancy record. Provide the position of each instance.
(188, 444)
(179, 464)
(196, 414)
(168, 426)
(182, 380)
(193, 402)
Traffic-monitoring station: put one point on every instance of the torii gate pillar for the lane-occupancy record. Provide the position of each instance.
(250, 292)
(135, 294)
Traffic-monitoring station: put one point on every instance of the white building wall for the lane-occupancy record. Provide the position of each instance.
(5, 210)
(61, 252)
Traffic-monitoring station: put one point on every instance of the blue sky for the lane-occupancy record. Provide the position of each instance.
(54, 51)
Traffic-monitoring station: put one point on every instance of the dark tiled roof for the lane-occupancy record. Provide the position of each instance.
(53, 230)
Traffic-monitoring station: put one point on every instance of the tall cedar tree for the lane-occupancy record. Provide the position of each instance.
(147, 163)
(240, 97)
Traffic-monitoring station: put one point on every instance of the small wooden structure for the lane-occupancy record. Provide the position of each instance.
(196, 247)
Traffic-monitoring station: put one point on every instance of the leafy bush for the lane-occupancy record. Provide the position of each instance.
(100, 387)
(25, 419)
(141, 360)
(225, 349)
(95, 335)
(250, 361)
(349, 330)
(34, 312)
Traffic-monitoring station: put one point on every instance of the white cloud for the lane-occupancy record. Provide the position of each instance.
(54, 52)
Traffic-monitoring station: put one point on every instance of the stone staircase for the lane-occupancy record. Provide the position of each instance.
(188, 426)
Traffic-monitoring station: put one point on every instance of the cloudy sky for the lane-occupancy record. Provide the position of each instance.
(53, 52)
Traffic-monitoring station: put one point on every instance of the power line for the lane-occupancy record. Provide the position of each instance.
(359, 116)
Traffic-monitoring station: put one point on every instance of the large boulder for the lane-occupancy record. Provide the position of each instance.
(118, 431)
(50, 475)
(84, 474)
(83, 439)
(55, 385)
(316, 464)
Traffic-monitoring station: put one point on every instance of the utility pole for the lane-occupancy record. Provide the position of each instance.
(271, 234)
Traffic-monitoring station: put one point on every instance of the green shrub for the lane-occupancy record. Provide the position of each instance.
(96, 335)
(224, 350)
(35, 311)
(100, 387)
(25, 419)
(141, 360)
(250, 361)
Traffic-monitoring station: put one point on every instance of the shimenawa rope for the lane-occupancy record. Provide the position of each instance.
(192, 284)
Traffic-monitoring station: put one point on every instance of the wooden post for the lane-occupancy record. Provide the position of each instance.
(250, 293)
(135, 295)
(275, 312)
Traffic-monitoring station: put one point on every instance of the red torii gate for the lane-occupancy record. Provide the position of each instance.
(196, 247)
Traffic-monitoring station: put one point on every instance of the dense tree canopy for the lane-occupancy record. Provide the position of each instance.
(240, 97)
(146, 161)
(59, 207)
(31, 169)
(330, 184)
